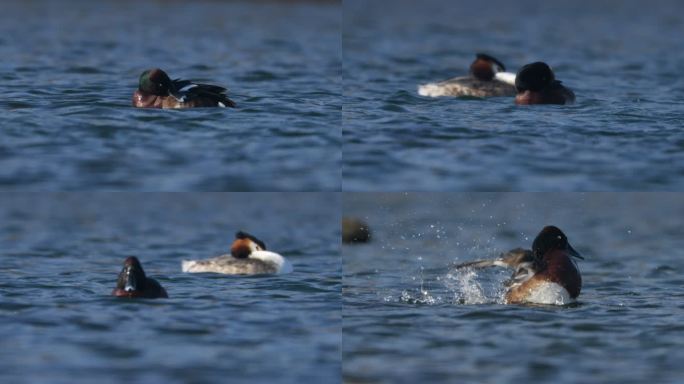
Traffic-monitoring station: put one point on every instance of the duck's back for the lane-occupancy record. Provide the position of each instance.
(467, 86)
(229, 265)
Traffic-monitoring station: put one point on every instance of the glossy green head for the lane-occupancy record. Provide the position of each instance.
(155, 81)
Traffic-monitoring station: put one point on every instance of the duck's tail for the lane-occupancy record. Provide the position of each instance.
(224, 102)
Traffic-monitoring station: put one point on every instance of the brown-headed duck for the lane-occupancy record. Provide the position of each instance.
(133, 282)
(547, 274)
(536, 84)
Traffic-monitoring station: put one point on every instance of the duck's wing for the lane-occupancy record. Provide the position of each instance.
(510, 259)
(522, 260)
(525, 264)
(186, 90)
(180, 84)
(483, 264)
(523, 273)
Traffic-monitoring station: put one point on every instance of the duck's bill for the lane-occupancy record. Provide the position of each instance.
(506, 77)
(574, 253)
(131, 283)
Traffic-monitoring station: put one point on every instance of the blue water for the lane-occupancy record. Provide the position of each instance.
(410, 317)
(623, 59)
(69, 69)
(61, 254)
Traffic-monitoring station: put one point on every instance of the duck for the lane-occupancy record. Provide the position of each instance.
(248, 256)
(157, 90)
(355, 230)
(488, 78)
(546, 274)
(133, 283)
(536, 83)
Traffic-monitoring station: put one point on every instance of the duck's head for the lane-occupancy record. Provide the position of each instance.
(132, 277)
(245, 244)
(551, 239)
(485, 67)
(534, 77)
(155, 82)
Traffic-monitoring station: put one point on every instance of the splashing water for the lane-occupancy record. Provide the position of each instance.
(465, 287)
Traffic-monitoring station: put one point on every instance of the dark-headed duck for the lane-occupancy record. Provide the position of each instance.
(157, 90)
(488, 78)
(547, 274)
(536, 84)
(133, 282)
(248, 256)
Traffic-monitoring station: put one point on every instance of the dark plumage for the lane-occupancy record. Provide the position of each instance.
(536, 84)
(157, 90)
(133, 282)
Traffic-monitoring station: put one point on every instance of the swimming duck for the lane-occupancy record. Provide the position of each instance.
(248, 256)
(133, 282)
(547, 274)
(488, 78)
(157, 90)
(536, 84)
(355, 230)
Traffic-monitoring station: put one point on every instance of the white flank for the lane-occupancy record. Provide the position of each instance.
(187, 265)
(283, 265)
(220, 104)
(506, 77)
(215, 265)
(549, 293)
(431, 90)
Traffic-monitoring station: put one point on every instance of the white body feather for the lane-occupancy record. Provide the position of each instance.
(469, 86)
(549, 293)
(284, 266)
(227, 264)
(506, 77)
